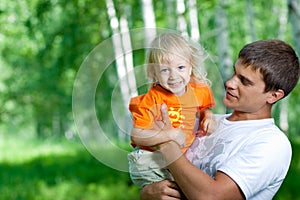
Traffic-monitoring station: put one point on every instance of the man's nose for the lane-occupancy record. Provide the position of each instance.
(232, 82)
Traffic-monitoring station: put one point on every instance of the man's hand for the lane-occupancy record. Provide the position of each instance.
(165, 126)
(165, 123)
(161, 190)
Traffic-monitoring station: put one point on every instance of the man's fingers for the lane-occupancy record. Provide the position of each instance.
(161, 190)
(174, 190)
(172, 184)
(165, 115)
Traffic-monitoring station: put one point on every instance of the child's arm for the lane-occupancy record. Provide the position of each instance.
(208, 121)
(144, 137)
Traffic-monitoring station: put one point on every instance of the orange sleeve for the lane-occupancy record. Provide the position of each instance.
(144, 109)
(204, 95)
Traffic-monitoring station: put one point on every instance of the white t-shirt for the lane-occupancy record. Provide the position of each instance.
(256, 154)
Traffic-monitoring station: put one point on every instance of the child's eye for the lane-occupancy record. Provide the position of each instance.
(181, 67)
(164, 70)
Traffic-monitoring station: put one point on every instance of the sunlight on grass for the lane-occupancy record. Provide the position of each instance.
(18, 149)
(63, 169)
(57, 169)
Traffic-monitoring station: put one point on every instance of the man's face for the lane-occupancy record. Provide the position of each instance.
(245, 90)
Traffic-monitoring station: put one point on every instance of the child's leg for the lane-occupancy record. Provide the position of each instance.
(145, 167)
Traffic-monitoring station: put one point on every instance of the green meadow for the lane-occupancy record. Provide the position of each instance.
(61, 169)
(57, 169)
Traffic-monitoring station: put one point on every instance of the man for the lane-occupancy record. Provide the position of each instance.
(248, 156)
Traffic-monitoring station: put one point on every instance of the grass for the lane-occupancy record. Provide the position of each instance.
(57, 169)
(32, 169)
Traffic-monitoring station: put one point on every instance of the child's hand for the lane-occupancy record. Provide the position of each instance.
(208, 122)
(209, 125)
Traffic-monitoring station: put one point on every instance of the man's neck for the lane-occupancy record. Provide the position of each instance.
(239, 116)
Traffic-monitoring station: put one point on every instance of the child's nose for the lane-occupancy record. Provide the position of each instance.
(173, 74)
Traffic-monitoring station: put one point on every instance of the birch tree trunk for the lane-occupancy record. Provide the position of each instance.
(124, 64)
(193, 15)
(223, 48)
(282, 19)
(181, 22)
(149, 21)
(294, 16)
(293, 13)
(118, 49)
(127, 52)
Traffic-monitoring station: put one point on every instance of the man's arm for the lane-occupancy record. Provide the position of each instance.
(193, 182)
(196, 184)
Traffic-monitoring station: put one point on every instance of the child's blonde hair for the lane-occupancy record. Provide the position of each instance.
(167, 45)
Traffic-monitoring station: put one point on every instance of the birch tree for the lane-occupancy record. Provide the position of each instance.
(124, 64)
(224, 59)
(181, 22)
(193, 15)
(149, 21)
(294, 16)
(282, 19)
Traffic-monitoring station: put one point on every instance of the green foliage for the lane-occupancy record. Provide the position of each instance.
(43, 44)
(294, 110)
(290, 186)
(43, 49)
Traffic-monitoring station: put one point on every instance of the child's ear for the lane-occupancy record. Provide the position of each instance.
(275, 96)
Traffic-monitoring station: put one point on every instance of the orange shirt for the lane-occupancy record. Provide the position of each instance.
(182, 109)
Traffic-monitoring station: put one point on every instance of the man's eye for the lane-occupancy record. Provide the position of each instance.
(245, 81)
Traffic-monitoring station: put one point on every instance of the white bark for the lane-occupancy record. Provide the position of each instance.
(124, 64)
(193, 15)
(281, 12)
(181, 22)
(127, 52)
(118, 49)
(149, 21)
(294, 16)
(223, 48)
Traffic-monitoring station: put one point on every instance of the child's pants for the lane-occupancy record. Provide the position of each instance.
(147, 167)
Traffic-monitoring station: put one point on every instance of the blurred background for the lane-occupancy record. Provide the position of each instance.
(43, 43)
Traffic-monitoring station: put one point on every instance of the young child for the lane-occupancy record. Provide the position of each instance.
(179, 81)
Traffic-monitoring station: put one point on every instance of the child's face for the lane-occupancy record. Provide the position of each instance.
(174, 75)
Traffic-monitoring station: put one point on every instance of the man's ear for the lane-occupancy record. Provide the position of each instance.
(275, 96)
